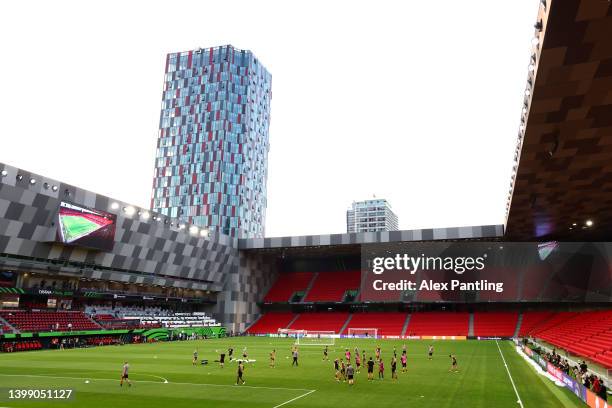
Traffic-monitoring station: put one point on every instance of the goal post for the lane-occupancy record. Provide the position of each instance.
(290, 333)
(363, 332)
(316, 338)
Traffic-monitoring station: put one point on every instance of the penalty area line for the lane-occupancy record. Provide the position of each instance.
(519, 401)
(157, 382)
(296, 398)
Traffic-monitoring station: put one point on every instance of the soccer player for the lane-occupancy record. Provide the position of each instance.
(430, 352)
(342, 371)
(349, 373)
(244, 353)
(381, 370)
(195, 357)
(239, 379)
(370, 369)
(124, 375)
(337, 368)
(454, 367)
(377, 353)
(325, 355)
(358, 362)
(295, 357)
(404, 348)
(272, 358)
(347, 355)
(394, 352)
(222, 360)
(363, 357)
(394, 368)
(230, 353)
(404, 360)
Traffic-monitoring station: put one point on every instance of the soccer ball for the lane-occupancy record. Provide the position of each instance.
(86, 381)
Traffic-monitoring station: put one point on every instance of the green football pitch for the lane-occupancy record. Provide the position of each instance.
(163, 376)
(75, 227)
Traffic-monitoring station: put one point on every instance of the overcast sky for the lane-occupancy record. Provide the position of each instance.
(418, 101)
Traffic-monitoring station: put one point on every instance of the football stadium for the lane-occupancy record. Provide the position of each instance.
(106, 304)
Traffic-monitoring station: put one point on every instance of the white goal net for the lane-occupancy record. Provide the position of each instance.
(309, 337)
(363, 332)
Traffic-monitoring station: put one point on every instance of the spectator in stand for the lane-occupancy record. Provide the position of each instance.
(69, 326)
(603, 391)
(596, 388)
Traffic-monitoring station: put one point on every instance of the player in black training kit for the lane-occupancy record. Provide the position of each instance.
(239, 379)
(222, 360)
(370, 369)
(325, 356)
(454, 367)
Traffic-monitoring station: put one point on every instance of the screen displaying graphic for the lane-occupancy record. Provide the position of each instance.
(82, 226)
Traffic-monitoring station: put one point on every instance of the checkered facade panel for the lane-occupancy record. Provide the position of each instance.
(152, 251)
(244, 288)
(484, 231)
(212, 152)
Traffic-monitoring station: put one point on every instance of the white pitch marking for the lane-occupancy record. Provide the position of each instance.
(156, 382)
(508, 371)
(296, 398)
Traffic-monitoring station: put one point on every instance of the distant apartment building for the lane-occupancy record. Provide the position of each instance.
(371, 215)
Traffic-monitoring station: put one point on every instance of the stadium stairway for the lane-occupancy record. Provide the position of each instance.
(287, 284)
(406, 323)
(346, 324)
(519, 323)
(310, 284)
(471, 325)
(6, 326)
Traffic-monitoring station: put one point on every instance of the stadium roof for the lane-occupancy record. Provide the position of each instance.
(564, 176)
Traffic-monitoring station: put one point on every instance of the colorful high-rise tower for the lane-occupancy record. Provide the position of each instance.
(212, 152)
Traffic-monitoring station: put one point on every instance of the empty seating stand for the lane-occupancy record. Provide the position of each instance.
(586, 334)
(532, 320)
(495, 324)
(271, 322)
(321, 321)
(438, 324)
(37, 321)
(331, 286)
(388, 324)
(287, 284)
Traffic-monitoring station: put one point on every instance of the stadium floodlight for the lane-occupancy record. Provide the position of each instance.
(32, 181)
(4, 173)
(204, 232)
(114, 206)
(129, 210)
(54, 188)
(19, 177)
(193, 229)
(145, 215)
(589, 223)
(531, 67)
(574, 224)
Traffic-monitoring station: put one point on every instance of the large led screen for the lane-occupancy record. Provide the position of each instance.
(86, 227)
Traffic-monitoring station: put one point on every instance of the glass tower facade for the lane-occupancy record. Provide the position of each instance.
(212, 151)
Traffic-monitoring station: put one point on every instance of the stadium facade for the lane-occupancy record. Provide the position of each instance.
(152, 250)
(212, 153)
